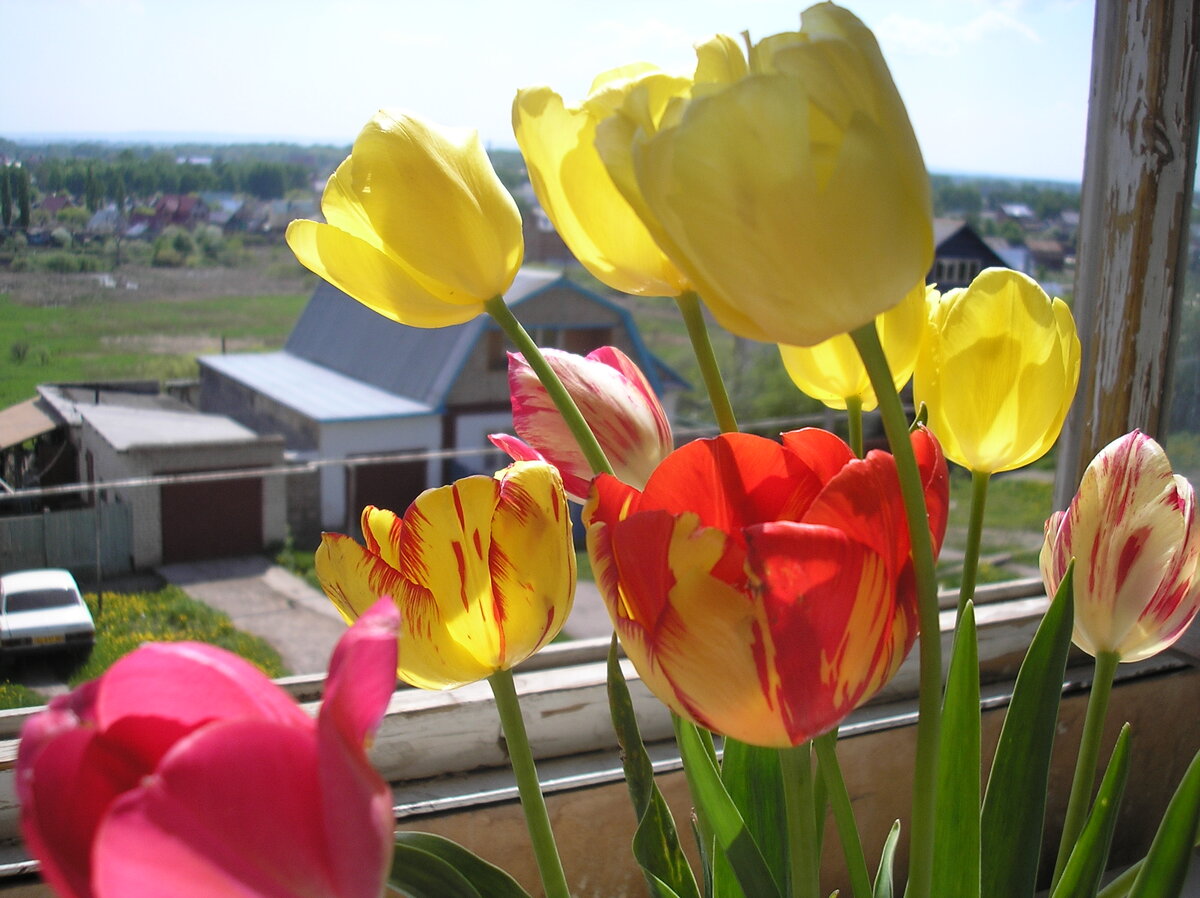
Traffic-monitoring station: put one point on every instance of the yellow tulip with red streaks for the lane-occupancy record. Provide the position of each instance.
(483, 571)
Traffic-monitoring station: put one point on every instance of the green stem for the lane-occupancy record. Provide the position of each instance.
(854, 424)
(693, 318)
(970, 570)
(566, 406)
(533, 803)
(843, 814)
(804, 872)
(929, 722)
(1085, 761)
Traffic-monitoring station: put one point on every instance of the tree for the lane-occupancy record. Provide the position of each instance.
(6, 198)
(23, 199)
(91, 191)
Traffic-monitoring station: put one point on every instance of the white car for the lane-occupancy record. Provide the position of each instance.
(42, 610)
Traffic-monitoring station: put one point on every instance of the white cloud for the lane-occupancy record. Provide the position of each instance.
(940, 38)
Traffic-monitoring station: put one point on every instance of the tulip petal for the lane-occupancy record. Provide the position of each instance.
(531, 560)
(432, 192)
(374, 278)
(692, 634)
(354, 580)
(747, 258)
(234, 809)
(67, 789)
(361, 680)
(575, 191)
(835, 633)
(749, 480)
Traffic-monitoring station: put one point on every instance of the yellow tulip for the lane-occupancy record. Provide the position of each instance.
(997, 371)
(483, 571)
(789, 189)
(833, 372)
(593, 219)
(419, 227)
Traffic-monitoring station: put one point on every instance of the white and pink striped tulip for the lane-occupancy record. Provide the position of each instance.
(1131, 529)
(615, 399)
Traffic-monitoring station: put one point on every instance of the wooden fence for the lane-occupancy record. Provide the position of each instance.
(86, 541)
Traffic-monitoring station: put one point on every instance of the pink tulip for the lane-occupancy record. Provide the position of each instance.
(615, 399)
(184, 771)
(1131, 529)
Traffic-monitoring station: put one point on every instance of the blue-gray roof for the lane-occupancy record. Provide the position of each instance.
(317, 392)
(341, 334)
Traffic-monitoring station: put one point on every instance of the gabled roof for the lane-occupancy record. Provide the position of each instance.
(345, 362)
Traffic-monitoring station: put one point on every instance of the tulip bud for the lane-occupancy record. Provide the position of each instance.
(615, 399)
(420, 229)
(1131, 530)
(997, 371)
(832, 372)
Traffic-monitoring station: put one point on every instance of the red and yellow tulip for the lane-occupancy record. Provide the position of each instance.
(483, 571)
(615, 399)
(764, 590)
(1132, 531)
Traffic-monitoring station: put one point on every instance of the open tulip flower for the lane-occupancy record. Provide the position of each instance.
(483, 571)
(832, 372)
(1132, 531)
(788, 188)
(419, 228)
(184, 771)
(615, 399)
(997, 371)
(764, 590)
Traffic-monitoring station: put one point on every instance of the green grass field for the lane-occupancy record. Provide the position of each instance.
(131, 339)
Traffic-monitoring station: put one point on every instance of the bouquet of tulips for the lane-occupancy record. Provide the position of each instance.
(762, 588)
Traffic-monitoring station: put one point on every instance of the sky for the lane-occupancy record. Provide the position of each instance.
(992, 86)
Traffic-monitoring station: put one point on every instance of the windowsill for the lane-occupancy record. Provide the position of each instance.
(444, 752)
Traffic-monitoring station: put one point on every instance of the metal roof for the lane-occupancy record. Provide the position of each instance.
(315, 391)
(126, 428)
(339, 333)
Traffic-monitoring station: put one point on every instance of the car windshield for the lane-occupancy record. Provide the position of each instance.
(38, 600)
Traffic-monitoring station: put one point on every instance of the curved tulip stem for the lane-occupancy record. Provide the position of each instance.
(970, 570)
(1085, 761)
(533, 803)
(718, 397)
(843, 814)
(854, 424)
(929, 722)
(566, 406)
(804, 880)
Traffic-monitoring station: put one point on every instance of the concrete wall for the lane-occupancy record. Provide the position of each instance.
(144, 500)
(220, 395)
(357, 438)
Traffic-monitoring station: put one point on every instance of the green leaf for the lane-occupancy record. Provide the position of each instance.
(656, 845)
(720, 816)
(1089, 857)
(419, 874)
(883, 879)
(428, 866)
(1165, 868)
(754, 780)
(956, 820)
(1014, 806)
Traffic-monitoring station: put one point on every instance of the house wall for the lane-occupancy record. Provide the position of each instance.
(144, 500)
(348, 439)
(220, 395)
(484, 379)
